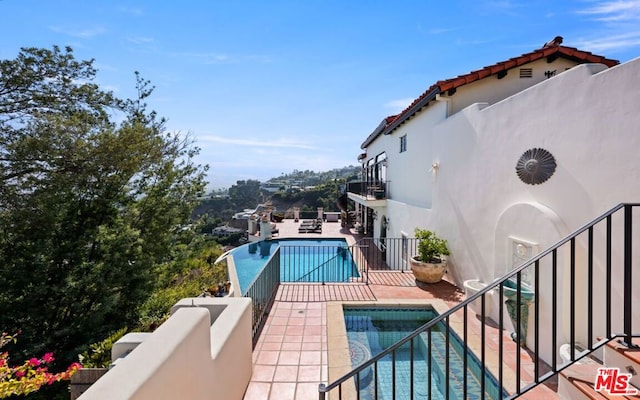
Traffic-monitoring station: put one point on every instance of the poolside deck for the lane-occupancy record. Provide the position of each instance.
(291, 357)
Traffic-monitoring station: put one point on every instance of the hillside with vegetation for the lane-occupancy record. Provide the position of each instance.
(305, 189)
(98, 209)
(96, 203)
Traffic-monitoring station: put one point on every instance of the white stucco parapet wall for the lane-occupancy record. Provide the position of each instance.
(203, 351)
(586, 117)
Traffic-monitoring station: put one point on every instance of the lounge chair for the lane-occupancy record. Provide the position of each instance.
(310, 226)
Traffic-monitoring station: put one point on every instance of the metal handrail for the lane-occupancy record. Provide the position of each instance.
(291, 269)
(324, 264)
(262, 292)
(516, 276)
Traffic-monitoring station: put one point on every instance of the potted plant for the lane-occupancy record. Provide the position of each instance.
(429, 265)
(277, 216)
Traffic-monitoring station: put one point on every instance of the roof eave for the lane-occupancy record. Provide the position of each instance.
(407, 114)
(413, 110)
(376, 132)
(453, 83)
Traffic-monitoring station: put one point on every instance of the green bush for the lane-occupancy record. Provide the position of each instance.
(190, 279)
(99, 354)
(430, 247)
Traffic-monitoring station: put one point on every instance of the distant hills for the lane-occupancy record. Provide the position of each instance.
(305, 189)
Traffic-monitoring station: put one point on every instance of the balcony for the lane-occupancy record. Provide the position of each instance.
(369, 193)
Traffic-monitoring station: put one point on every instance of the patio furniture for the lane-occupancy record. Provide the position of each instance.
(313, 226)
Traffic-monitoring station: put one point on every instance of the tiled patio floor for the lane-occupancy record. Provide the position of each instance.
(291, 357)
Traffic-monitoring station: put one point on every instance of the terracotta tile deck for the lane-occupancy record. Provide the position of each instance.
(291, 355)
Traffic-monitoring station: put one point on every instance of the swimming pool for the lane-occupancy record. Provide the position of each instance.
(371, 330)
(301, 260)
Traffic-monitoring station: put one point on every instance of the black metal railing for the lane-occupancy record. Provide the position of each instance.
(391, 254)
(333, 264)
(319, 264)
(372, 190)
(579, 291)
(262, 292)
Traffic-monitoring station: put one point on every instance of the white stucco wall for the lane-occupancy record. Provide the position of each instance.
(407, 172)
(203, 351)
(587, 117)
(591, 135)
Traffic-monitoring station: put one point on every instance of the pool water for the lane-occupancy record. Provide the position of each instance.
(301, 260)
(371, 330)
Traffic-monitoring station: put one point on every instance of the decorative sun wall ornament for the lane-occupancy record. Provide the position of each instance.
(535, 166)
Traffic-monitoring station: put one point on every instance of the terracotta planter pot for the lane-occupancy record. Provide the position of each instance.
(428, 272)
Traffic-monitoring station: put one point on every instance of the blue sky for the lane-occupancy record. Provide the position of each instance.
(266, 87)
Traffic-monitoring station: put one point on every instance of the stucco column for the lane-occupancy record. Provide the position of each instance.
(265, 229)
(296, 213)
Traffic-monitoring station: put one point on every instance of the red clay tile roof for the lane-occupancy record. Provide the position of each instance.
(390, 118)
(571, 53)
(379, 129)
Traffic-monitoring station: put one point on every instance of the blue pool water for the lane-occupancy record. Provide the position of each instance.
(301, 260)
(371, 330)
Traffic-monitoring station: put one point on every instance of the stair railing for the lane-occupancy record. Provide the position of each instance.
(594, 254)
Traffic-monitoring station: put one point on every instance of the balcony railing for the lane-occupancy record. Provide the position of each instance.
(581, 290)
(371, 190)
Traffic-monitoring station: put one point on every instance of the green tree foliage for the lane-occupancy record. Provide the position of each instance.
(99, 354)
(245, 194)
(181, 278)
(242, 195)
(325, 195)
(94, 195)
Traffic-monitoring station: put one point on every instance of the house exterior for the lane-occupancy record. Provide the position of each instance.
(449, 162)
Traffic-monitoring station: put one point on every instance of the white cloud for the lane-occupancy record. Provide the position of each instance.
(140, 40)
(131, 11)
(399, 104)
(260, 143)
(615, 11)
(222, 58)
(621, 19)
(437, 31)
(508, 7)
(80, 33)
(611, 42)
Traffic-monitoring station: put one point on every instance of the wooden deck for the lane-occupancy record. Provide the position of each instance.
(303, 292)
(380, 285)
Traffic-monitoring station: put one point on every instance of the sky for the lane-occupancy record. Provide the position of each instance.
(267, 87)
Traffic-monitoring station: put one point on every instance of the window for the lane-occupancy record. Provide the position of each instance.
(381, 167)
(403, 143)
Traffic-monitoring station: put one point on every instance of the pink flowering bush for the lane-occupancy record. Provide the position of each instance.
(31, 375)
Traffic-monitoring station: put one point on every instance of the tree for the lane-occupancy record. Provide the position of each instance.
(245, 194)
(89, 207)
